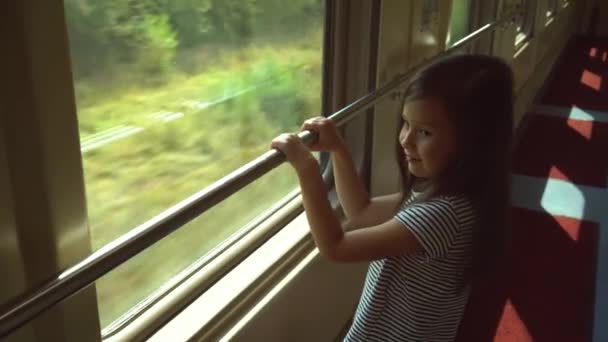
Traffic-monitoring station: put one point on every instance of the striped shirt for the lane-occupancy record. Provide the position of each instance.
(420, 297)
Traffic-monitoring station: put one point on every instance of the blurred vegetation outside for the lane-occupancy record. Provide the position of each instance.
(174, 94)
(459, 21)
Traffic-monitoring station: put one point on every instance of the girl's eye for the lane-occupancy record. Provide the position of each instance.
(424, 133)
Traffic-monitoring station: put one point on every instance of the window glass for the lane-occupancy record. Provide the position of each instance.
(171, 96)
(459, 20)
(524, 25)
(430, 13)
(552, 8)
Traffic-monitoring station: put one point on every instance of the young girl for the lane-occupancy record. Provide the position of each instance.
(449, 221)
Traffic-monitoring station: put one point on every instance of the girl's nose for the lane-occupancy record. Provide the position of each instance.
(407, 139)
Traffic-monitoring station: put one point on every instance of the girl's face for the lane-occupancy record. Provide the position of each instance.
(427, 137)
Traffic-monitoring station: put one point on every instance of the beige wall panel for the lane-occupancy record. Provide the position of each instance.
(312, 306)
(393, 60)
(523, 63)
(11, 263)
(405, 41)
(428, 38)
(44, 165)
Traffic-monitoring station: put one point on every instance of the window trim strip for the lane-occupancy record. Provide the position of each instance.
(21, 309)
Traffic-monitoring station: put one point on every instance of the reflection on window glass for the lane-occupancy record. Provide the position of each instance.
(525, 22)
(459, 20)
(174, 94)
(552, 8)
(519, 24)
(430, 10)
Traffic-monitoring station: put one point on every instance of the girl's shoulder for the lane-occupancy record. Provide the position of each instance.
(440, 222)
(457, 199)
(461, 205)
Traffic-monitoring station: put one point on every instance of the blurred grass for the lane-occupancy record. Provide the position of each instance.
(134, 179)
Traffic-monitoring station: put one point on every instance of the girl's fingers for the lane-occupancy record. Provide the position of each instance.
(326, 131)
(280, 141)
(314, 123)
(276, 143)
(309, 125)
(291, 146)
(284, 140)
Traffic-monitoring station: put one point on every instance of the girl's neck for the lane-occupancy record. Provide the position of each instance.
(421, 184)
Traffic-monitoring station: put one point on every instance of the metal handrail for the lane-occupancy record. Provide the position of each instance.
(77, 277)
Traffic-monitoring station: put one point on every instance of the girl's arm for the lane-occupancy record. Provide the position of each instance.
(390, 238)
(359, 207)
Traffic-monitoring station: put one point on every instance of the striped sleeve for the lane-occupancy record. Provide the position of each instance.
(433, 223)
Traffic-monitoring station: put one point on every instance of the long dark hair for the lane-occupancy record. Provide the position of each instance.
(477, 91)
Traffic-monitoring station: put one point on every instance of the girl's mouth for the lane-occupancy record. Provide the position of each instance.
(412, 159)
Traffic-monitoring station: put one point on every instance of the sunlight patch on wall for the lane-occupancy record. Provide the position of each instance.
(563, 198)
(578, 113)
(584, 129)
(513, 326)
(591, 80)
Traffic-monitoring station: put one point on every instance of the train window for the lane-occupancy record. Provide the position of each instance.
(460, 20)
(430, 10)
(525, 23)
(551, 8)
(173, 95)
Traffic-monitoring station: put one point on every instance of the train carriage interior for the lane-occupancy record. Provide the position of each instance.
(120, 220)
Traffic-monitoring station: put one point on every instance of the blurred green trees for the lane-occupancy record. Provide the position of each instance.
(151, 33)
